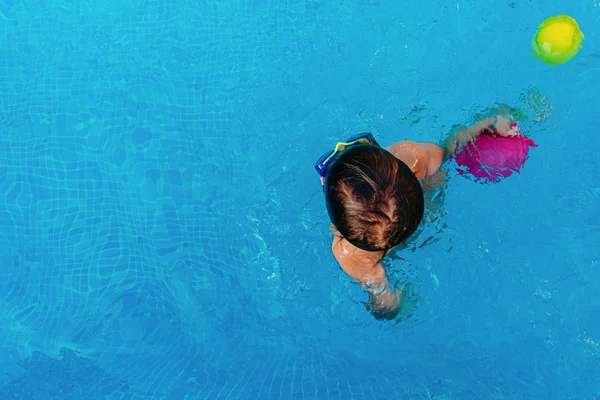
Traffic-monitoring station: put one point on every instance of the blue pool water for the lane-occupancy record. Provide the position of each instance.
(163, 233)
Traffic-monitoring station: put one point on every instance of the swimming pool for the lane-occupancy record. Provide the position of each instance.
(163, 234)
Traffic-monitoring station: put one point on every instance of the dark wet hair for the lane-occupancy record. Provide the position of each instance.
(373, 199)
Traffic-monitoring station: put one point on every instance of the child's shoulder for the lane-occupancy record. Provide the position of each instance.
(359, 264)
(423, 158)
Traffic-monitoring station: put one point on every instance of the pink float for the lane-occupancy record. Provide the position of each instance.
(490, 157)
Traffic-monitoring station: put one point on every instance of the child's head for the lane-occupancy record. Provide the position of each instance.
(373, 199)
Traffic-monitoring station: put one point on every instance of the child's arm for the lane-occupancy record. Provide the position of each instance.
(365, 268)
(432, 155)
(464, 136)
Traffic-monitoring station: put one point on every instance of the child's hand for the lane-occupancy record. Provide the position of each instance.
(504, 126)
(386, 305)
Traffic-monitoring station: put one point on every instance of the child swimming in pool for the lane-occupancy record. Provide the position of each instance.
(375, 201)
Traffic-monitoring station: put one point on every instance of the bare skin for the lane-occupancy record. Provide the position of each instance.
(425, 160)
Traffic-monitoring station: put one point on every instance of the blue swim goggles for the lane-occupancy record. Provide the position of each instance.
(326, 159)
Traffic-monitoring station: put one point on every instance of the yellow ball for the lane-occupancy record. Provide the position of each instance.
(557, 40)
